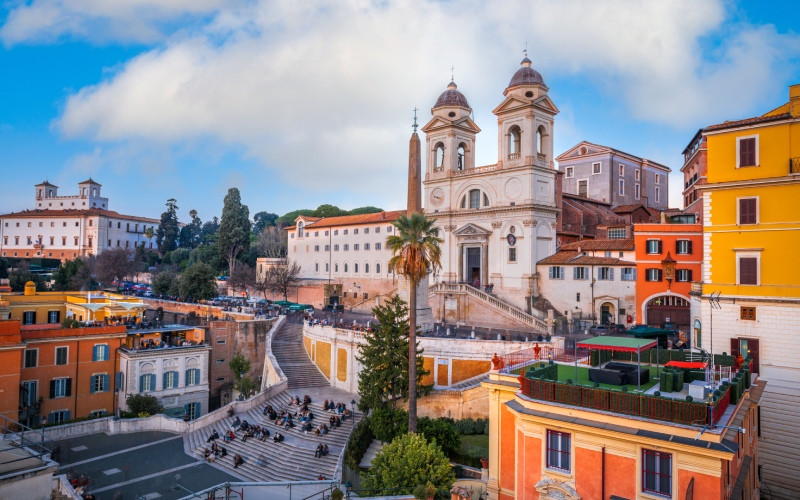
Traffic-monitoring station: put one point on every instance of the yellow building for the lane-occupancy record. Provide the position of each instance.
(751, 218)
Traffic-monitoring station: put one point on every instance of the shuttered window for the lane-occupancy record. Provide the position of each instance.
(747, 210)
(748, 271)
(747, 152)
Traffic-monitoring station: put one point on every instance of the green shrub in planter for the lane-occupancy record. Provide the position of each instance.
(569, 381)
(596, 384)
(624, 388)
(657, 394)
(689, 399)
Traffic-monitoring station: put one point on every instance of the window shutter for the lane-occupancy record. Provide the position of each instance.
(551, 272)
(748, 272)
(118, 381)
(164, 380)
(611, 273)
(747, 211)
(688, 275)
(153, 382)
(187, 377)
(747, 152)
(660, 246)
(105, 383)
(735, 347)
(91, 384)
(52, 389)
(689, 247)
(141, 382)
(51, 418)
(94, 353)
(67, 416)
(659, 274)
(68, 390)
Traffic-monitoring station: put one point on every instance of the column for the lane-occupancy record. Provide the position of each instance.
(460, 271)
(484, 264)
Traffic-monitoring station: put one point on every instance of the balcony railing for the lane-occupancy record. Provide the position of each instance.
(514, 156)
(794, 165)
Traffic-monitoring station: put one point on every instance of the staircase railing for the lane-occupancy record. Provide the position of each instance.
(390, 292)
(491, 300)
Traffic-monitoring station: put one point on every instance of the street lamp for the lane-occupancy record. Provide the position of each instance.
(353, 408)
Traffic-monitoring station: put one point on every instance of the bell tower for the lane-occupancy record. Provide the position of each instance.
(450, 135)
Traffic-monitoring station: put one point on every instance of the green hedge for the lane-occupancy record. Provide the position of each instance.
(549, 372)
(666, 380)
(358, 443)
(724, 360)
(692, 375)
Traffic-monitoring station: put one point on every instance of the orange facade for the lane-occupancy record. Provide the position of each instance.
(669, 258)
(59, 374)
(539, 449)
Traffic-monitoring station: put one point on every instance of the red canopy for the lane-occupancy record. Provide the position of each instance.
(696, 365)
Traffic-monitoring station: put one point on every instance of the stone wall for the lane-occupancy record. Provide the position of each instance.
(201, 310)
(470, 403)
(465, 310)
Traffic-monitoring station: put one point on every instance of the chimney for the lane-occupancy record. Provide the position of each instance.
(794, 100)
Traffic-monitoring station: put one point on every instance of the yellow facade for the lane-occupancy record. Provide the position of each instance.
(774, 181)
(82, 306)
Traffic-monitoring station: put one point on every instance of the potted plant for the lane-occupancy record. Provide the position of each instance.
(484, 463)
(337, 494)
(427, 492)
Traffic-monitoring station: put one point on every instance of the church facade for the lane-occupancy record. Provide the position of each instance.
(496, 220)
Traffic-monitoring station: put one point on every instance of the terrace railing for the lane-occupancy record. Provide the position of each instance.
(527, 357)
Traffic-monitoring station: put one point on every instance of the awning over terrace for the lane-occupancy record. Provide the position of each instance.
(625, 344)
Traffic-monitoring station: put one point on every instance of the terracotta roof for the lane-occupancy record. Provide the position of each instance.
(90, 181)
(585, 199)
(78, 213)
(47, 183)
(626, 209)
(617, 244)
(350, 220)
(747, 121)
(575, 258)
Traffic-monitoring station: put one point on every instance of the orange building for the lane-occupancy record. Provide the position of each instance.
(669, 256)
(554, 439)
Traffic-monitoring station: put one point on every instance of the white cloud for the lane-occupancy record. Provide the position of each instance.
(323, 90)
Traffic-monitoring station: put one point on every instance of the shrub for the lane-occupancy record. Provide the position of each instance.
(358, 443)
(442, 433)
(387, 423)
(624, 388)
(143, 403)
(657, 394)
(465, 426)
(689, 399)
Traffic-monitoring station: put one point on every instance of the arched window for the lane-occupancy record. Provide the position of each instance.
(300, 229)
(378, 268)
(464, 202)
(461, 156)
(514, 143)
(355, 267)
(345, 267)
(336, 267)
(316, 267)
(327, 266)
(485, 200)
(366, 268)
(540, 133)
(439, 155)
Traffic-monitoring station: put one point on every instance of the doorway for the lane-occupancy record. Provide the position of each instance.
(472, 272)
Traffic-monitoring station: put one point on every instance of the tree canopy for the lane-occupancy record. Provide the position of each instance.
(384, 378)
(190, 233)
(73, 274)
(114, 265)
(198, 282)
(283, 278)
(168, 230)
(234, 228)
(262, 220)
(407, 463)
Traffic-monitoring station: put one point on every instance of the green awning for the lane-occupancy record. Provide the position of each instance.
(648, 331)
(618, 344)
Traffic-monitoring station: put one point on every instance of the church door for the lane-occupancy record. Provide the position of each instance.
(472, 271)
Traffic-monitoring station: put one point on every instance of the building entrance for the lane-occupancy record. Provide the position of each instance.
(472, 274)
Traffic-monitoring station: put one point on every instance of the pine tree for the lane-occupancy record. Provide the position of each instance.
(234, 228)
(168, 229)
(383, 379)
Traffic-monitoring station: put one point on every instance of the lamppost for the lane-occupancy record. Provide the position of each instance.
(353, 409)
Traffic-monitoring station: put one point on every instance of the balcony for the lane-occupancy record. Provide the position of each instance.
(514, 156)
(794, 165)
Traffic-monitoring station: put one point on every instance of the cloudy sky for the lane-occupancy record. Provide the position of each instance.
(299, 103)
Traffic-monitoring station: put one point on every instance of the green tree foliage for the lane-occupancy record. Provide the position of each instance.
(364, 210)
(198, 282)
(239, 366)
(190, 233)
(406, 463)
(4, 265)
(262, 220)
(441, 431)
(209, 232)
(207, 253)
(234, 228)
(387, 423)
(141, 404)
(73, 275)
(164, 283)
(357, 445)
(21, 275)
(246, 386)
(326, 210)
(415, 252)
(288, 219)
(384, 378)
(168, 230)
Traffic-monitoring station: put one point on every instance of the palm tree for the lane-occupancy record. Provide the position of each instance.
(415, 253)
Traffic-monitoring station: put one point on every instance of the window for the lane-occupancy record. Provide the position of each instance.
(378, 268)
(31, 358)
(378, 229)
(316, 233)
(748, 270)
(62, 355)
(657, 472)
(514, 140)
(617, 233)
(220, 341)
(336, 232)
(316, 248)
(346, 247)
(99, 383)
(100, 352)
(366, 230)
(558, 450)
(608, 253)
(658, 178)
(377, 246)
(653, 246)
(170, 380)
(605, 273)
(658, 193)
(474, 198)
(366, 268)
(556, 273)
(439, 155)
(583, 188)
(345, 267)
(683, 275)
(192, 376)
(355, 267)
(316, 267)
(147, 382)
(30, 392)
(636, 191)
(628, 274)
(355, 247)
(327, 248)
(512, 254)
(326, 233)
(355, 231)
(220, 361)
(747, 313)
(580, 273)
(748, 210)
(336, 268)
(683, 247)
(344, 231)
(60, 388)
(98, 414)
(335, 248)
(596, 168)
(747, 151)
(192, 410)
(653, 274)
(622, 187)
(326, 267)
(366, 246)
(29, 317)
(58, 417)
(621, 170)
(570, 172)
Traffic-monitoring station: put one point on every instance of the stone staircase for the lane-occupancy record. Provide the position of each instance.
(291, 460)
(535, 321)
(287, 347)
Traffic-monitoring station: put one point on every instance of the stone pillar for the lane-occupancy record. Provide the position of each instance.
(551, 322)
(484, 265)
(414, 175)
(460, 270)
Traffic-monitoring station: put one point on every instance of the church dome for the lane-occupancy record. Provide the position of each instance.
(451, 97)
(526, 75)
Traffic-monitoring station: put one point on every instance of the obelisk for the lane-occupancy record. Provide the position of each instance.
(414, 205)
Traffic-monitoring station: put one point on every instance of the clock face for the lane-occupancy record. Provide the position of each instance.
(437, 197)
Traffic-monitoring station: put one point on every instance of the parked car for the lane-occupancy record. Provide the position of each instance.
(600, 330)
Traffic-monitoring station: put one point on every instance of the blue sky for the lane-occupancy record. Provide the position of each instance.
(303, 103)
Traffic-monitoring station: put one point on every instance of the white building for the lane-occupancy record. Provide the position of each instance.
(496, 220)
(66, 227)
(349, 250)
(177, 376)
(591, 279)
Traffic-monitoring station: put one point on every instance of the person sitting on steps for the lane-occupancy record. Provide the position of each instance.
(237, 461)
